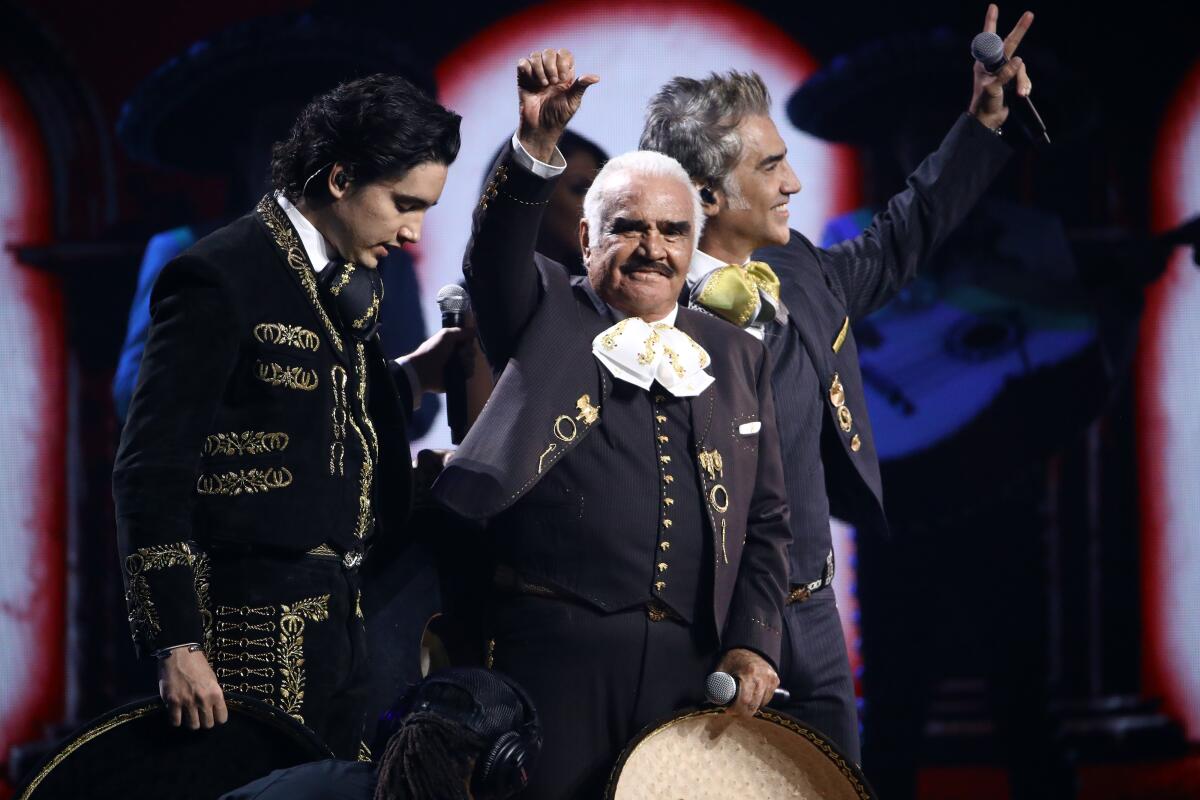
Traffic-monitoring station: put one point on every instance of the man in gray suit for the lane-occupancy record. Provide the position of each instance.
(752, 270)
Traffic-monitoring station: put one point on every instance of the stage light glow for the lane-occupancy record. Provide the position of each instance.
(635, 47)
(1169, 428)
(32, 430)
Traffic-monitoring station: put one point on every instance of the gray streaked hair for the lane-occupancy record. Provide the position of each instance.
(695, 122)
(597, 201)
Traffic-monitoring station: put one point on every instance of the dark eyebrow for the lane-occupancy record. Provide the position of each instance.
(772, 160)
(681, 228)
(412, 200)
(622, 224)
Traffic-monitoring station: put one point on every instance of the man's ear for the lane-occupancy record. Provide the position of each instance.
(339, 181)
(584, 249)
(710, 199)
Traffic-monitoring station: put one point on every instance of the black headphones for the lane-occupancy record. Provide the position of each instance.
(707, 195)
(504, 769)
(506, 762)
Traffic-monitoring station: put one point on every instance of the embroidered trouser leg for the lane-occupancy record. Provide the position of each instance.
(596, 679)
(286, 630)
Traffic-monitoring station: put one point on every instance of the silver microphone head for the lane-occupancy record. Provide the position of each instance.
(720, 688)
(988, 49)
(453, 299)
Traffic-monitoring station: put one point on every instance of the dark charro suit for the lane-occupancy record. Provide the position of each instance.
(264, 448)
(819, 385)
(645, 517)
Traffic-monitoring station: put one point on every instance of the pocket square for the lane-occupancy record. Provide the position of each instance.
(748, 428)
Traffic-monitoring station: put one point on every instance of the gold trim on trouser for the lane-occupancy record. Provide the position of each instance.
(270, 648)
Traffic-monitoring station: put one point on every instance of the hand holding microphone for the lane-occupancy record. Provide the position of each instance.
(996, 66)
(744, 682)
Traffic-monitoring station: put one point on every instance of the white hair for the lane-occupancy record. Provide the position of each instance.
(597, 205)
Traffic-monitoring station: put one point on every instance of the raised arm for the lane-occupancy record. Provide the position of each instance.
(499, 263)
(869, 269)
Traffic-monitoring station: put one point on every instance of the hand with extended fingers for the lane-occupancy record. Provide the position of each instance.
(550, 95)
(987, 100)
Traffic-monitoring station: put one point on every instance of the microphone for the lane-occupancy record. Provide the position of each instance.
(988, 49)
(453, 302)
(721, 688)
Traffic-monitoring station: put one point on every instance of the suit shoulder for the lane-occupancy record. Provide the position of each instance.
(798, 255)
(230, 243)
(730, 338)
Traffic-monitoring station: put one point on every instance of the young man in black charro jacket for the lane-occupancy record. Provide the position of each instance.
(266, 444)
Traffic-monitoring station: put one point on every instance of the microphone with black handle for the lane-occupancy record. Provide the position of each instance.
(721, 689)
(988, 49)
(454, 303)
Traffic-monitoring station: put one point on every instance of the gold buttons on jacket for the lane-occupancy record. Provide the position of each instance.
(664, 546)
(837, 398)
(837, 392)
(660, 585)
(662, 566)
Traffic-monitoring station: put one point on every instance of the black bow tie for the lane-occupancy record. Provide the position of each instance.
(355, 293)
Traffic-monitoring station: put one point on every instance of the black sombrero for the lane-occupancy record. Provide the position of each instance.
(192, 112)
(132, 752)
(850, 99)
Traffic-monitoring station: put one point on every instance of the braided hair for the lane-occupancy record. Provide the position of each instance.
(429, 757)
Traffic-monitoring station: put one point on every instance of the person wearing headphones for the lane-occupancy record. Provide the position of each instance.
(460, 734)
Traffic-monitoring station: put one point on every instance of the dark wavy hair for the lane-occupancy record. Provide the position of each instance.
(376, 127)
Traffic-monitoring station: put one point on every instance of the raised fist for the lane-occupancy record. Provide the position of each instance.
(550, 95)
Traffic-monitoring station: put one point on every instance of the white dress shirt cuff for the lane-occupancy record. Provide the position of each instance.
(414, 383)
(539, 168)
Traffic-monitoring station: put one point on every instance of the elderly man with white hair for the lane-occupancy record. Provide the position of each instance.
(627, 461)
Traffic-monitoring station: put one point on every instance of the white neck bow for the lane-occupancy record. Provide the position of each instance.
(640, 353)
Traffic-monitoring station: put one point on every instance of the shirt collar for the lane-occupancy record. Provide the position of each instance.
(318, 249)
(702, 265)
(669, 319)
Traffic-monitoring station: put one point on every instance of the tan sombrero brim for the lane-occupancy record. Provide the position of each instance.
(710, 755)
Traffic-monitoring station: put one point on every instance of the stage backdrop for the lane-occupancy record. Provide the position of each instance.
(1169, 427)
(635, 47)
(32, 433)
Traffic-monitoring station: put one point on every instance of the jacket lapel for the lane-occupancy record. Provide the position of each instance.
(295, 262)
(701, 406)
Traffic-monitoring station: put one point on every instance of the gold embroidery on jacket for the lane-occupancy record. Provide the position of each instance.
(144, 622)
(336, 287)
(246, 443)
(287, 335)
(588, 413)
(366, 472)
(368, 315)
(341, 409)
(287, 241)
(300, 378)
(713, 464)
(244, 481)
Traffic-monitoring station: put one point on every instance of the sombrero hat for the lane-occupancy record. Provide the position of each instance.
(132, 752)
(707, 754)
(192, 112)
(890, 78)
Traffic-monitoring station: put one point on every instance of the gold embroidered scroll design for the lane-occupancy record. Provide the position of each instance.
(287, 336)
(300, 378)
(144, 622)
(245, 443)
(244, 481)
(288, 242)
